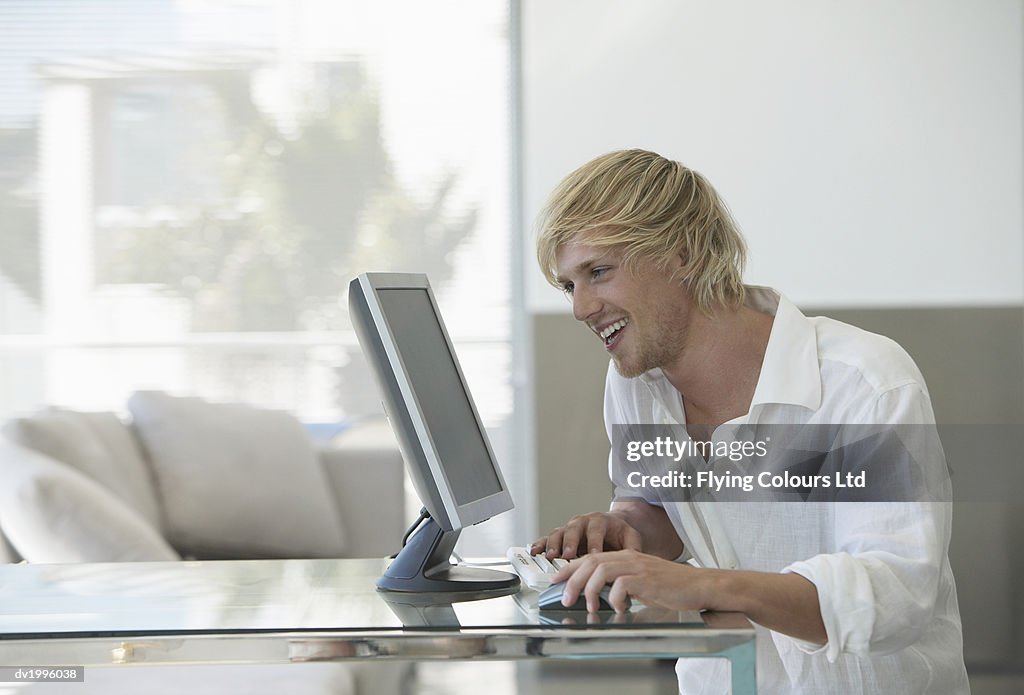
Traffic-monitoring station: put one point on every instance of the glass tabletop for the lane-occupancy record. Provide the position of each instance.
(259, 611)
(47, 601)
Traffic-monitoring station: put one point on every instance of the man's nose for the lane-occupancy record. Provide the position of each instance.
(584, 304)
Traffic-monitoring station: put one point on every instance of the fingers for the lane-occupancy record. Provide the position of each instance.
(631, 539)
(589, 575)
(619, 595)
(597, 529)
(584, 534)
(550, 545)
(656, 582)
(566, 541)
(564, 573)
(588, 534)
(569, 541)
(595, 584)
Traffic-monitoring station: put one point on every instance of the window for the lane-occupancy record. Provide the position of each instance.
(187, 187)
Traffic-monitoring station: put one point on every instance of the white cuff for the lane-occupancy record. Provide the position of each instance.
(846, 601)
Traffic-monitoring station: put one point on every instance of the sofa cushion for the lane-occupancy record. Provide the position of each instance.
(52, 513)
(236, 481)
(99, 445)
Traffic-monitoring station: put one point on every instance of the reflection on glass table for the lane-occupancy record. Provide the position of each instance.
(263, 611)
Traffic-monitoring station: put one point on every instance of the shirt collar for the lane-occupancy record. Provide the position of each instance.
(790, 373)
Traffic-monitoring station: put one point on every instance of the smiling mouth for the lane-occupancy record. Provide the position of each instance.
(609, 334)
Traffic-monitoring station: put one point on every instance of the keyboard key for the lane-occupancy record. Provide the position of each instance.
(528, 569)
(544, 564)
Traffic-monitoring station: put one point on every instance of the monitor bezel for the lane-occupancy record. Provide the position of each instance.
(452, 515)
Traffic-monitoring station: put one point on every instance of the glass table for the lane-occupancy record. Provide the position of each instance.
(279, 611)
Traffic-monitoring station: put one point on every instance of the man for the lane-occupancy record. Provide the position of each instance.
(852, 597)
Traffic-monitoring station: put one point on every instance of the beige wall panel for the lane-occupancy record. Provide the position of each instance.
(572, 447)
(973, 361)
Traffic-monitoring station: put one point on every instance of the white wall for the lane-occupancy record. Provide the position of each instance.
(871, 151)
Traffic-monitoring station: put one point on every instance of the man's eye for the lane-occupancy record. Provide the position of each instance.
(598, 272)
(568, 288)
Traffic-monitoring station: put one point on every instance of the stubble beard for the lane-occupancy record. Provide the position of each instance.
(651, 353)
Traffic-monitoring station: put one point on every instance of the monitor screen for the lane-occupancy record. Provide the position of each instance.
(443, 441)
(434, 377)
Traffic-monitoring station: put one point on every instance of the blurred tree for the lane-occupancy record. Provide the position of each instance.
(201, 195)
(296, 216)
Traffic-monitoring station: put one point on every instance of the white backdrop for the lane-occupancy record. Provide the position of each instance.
(871, 151)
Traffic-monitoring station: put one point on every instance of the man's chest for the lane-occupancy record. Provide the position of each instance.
(757, 536)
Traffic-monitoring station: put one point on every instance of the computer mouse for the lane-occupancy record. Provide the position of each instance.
(551, 599)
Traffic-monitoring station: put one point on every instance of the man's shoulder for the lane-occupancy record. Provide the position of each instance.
(879, 360)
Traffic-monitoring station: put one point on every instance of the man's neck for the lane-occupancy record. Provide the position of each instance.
(718, 370)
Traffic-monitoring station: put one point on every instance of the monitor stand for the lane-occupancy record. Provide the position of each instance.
(423, 566)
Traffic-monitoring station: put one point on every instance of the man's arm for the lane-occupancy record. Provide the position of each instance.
(785, 603)
(632, 524)
(658, 536)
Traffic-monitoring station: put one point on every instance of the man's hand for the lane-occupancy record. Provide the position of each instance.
(786, 603)
(657, 583)
(589, 533)
(632, 524)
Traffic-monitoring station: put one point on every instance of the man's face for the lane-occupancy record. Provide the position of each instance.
(640, 316)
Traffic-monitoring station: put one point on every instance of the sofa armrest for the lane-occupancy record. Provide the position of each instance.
(367, 477)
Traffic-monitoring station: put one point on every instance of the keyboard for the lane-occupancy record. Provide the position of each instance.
(534, 570)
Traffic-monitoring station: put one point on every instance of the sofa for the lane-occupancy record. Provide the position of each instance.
(183, 478)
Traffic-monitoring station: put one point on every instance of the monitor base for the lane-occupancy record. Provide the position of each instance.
(423, 566)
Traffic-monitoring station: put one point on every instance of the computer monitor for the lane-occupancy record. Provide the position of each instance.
(439, 431)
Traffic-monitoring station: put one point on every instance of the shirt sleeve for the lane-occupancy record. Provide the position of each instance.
(878, 589)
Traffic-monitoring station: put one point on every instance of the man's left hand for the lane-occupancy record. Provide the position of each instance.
(784, 602)
(653, 581)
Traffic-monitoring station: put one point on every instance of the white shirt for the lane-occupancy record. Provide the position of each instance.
(881, 569)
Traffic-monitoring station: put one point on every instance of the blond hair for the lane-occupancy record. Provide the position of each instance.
(655, 209)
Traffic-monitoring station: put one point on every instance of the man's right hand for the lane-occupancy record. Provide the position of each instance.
(589, 533)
